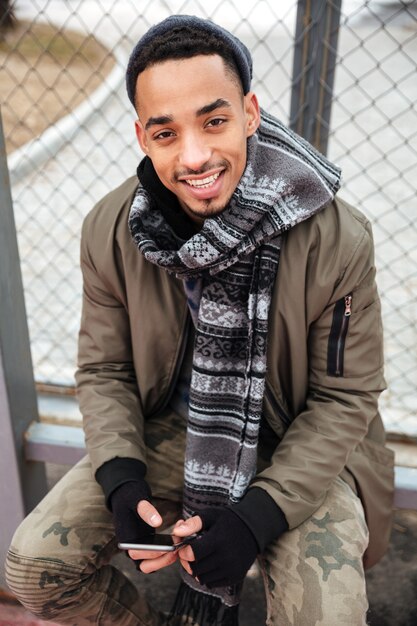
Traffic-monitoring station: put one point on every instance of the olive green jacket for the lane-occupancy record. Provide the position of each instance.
(325, 358)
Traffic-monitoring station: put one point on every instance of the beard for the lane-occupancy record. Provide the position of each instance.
(206, 208)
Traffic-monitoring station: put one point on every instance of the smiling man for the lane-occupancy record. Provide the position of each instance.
(197, 145)
(230, 363)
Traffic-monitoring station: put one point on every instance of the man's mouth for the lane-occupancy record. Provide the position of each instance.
(203, 183)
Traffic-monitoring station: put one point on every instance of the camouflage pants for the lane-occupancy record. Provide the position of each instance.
(59, 560)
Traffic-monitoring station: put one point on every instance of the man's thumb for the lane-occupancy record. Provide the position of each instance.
(189, 527)
(149, 514)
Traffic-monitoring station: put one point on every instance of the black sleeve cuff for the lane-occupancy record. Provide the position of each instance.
(262, 516)
(118, 471)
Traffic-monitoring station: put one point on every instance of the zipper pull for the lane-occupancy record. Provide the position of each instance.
(348, 306)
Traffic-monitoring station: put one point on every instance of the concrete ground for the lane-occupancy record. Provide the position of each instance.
(392, 583)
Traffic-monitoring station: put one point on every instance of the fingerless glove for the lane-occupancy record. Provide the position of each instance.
(129, 527)
(225, 552)
(233, 536)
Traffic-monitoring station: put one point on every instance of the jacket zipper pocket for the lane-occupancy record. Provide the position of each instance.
(277, 407)
(337, 338)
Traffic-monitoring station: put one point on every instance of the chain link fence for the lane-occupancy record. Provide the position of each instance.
(374, 139)
(70, 139)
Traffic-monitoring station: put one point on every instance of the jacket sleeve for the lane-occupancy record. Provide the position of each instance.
(343, 381)
(106, 382)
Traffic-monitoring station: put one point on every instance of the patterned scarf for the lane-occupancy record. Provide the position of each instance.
(232, 264)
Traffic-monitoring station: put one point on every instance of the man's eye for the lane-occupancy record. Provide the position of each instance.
(218, 121)
(165, 134)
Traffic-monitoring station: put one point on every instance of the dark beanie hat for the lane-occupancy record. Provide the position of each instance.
(239, 51)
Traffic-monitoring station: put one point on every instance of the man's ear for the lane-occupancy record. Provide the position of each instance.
(253, 113)
(141, 136)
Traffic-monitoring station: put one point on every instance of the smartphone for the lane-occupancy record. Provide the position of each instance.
(156, 543)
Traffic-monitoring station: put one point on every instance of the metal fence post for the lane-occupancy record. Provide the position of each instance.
(22, 483)
(315, 48)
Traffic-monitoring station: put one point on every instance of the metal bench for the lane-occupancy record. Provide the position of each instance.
(53, 443)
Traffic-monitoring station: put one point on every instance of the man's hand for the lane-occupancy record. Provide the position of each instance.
(222, 555)
(151, 561)
(185, 529)
(135, 520)
(130, 526)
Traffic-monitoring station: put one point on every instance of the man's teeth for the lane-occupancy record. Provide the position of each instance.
(204, 182)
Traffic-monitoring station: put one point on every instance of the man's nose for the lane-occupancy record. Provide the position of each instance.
(194, 153)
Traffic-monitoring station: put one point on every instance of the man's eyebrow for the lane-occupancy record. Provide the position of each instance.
(158, 121)
(207, 108)
(217, 104)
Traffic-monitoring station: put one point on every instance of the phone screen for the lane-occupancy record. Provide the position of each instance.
(157, 542)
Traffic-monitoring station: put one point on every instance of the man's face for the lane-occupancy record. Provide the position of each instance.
(193, 124)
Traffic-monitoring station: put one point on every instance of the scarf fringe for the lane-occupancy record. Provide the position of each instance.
(202, 609)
